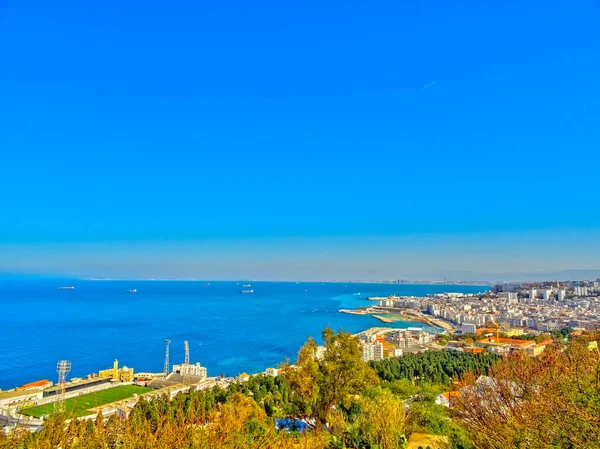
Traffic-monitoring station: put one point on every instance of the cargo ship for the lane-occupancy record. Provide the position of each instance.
(66, 287)
(247, 291)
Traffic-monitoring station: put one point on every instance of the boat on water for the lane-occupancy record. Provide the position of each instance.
(247, 291)
(66, 287)
(246, 285)
(357, 294)
(133, 290)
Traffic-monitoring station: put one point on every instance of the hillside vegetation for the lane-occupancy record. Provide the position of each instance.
(549, 402)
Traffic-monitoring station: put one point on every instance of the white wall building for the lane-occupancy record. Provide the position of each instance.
(547, 294)
(581, 291)
(187, 369)
(372, 351)
(272, 372)
(532, 293)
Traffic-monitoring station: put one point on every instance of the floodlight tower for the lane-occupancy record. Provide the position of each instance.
(63, 367)
(166, 369)
(186, 348)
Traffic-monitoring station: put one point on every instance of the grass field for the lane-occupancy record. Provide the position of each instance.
(79, 406)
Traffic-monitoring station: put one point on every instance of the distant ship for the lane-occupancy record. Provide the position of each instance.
(247, 291)
(246, 285)
(66, 287)
(357, 294)
(133, 290)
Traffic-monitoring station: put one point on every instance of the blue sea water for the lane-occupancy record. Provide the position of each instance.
(228, 332)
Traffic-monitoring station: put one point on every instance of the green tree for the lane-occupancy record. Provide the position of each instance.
(319, 381)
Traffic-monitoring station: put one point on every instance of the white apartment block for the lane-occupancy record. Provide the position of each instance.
(372, 351)
(581, 291)
(547, 294)
(187, 369)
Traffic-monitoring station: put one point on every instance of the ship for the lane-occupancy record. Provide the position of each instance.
(133, 290)
(66, 287)
(247, 291)
(246, 285)
(356, 294)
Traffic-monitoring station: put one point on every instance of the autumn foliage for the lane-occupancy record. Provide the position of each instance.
(552, 401)
(548, 402)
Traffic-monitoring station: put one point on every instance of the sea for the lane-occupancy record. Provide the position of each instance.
(227, 332)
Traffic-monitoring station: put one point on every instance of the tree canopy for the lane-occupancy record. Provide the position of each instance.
(322, 379)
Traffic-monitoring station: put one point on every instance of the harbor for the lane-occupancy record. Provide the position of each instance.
(391, 309)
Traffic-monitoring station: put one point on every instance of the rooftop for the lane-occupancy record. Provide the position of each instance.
(16, 394)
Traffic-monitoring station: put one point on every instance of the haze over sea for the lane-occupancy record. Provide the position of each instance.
(228, 332)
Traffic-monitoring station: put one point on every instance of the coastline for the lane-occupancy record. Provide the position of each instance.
(389, 314)
(255, 335)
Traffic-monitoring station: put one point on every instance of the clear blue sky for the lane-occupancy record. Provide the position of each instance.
(298, 139)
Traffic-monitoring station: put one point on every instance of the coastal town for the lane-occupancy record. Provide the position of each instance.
(509, 317)
(505, 311)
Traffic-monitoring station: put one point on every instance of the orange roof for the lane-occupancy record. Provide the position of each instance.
(545, 342)
(474, 350)
(506, 341)
(485, 330)
(37, 383)
(452, 394)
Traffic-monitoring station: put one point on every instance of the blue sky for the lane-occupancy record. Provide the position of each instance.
(352, 138)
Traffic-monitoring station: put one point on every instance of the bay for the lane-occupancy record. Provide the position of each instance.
(228, 332)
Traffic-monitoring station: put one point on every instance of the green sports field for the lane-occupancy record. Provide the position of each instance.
(79, 406)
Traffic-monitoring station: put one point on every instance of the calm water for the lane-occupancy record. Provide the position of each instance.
(227, 332)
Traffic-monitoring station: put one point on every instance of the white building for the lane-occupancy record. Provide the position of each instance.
(532, 293)
(547, 294)
(372, 351)
(386, 303)
(272, 372)
(581, 291)
(561, 294)
(468, 328)
(187, 369)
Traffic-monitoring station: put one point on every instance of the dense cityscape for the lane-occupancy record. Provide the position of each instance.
(509, 318)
